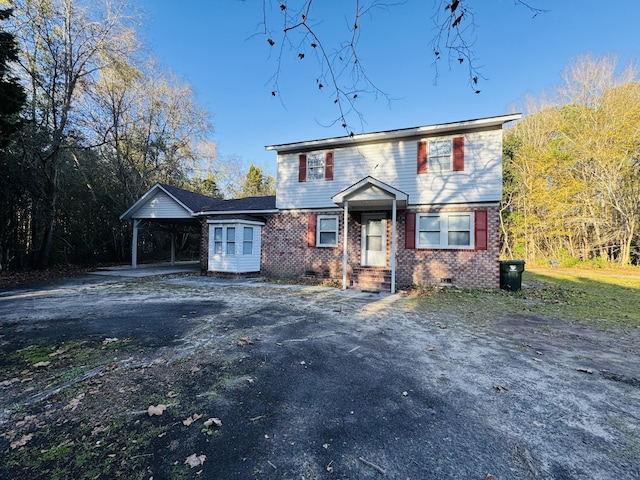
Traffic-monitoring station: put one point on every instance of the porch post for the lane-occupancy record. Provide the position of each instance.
(393, 246)
(173, 247)
(345, 234)
(134, 244)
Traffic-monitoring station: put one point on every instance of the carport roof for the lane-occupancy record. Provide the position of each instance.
(191, 204)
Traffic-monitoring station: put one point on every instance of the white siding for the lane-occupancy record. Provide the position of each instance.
(162, 205)
(395, 163)
(238, 262)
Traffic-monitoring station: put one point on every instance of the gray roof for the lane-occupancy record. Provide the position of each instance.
(197, 204)
(200, 204)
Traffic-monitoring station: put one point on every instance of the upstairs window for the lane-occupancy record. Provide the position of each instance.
(440, 155)
(444, 155)
(314, 167)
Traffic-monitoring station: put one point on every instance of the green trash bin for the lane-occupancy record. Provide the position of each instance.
(511, 274)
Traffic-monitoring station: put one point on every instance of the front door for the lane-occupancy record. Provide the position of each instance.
(374, 241)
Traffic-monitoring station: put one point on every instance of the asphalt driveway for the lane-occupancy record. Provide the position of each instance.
(303, 383)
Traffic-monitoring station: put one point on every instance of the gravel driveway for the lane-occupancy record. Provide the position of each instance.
(304, 383)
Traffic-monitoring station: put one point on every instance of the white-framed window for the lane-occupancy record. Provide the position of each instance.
(440, 155)
(327, 231)
(315, 166)
(231, 241)
(217, 240)
(445, 230)
(247, 241)
(224, 240)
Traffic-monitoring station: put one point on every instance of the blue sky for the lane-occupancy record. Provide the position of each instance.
(217, 46)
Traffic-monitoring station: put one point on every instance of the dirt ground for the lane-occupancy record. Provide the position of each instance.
(182, 376)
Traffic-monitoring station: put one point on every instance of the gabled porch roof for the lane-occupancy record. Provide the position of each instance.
(370, 194)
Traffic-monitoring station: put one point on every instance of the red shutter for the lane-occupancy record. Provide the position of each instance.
(458, 154)
(311, 230)
(422, 157)
(328, 166)
(302, 167)
(481, 230)
(409, 230)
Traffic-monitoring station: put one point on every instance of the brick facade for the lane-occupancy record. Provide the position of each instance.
(286, 254)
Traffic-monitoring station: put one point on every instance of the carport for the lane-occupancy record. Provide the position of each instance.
(168, 206)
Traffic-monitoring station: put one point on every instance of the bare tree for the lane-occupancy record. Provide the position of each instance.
(64, 44)
(294, 28)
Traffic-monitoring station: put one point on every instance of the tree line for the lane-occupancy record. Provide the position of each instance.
(89, 122)
(572, 170)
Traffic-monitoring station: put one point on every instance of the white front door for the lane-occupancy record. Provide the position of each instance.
(374, 241)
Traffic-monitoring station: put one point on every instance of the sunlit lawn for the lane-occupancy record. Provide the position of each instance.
(604, 298)
(609, 298)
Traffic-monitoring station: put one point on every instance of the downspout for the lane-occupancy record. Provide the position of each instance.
(345, 234)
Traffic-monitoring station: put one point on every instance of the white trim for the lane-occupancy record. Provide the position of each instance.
(150, 193)
(319, 218)
(365, 183)
(236, 212)
(430, 130)
(235, 222)
(444, 231)
(364, 260)
(345, 228)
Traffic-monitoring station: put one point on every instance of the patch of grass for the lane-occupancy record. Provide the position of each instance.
(604, 299)
(33, 354)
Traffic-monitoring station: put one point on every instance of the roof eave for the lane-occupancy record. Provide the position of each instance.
(238, 212)
(391, 134)
(136, 206)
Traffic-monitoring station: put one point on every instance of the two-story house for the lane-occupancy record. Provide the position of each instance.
(378, 210)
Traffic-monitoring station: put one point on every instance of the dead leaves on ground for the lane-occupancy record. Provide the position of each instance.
(22, 441)
(156, 410)
(195, 460)
(243, 341)
(193, 418)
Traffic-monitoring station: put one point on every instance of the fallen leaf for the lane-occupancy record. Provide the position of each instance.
(195, 460)
(156, 410)
(193, 418)
(22, 442)
(59, 351)
(244, 341)
(215, 422)
(99, 429)
(74, 402)
(42, 364)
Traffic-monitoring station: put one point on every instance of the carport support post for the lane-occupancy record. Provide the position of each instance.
(173, 247)
(394, 232)
(345, 230)
(134, 244)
